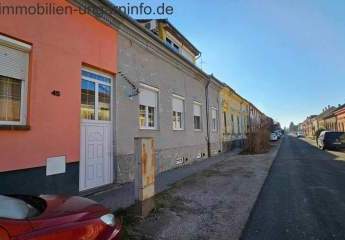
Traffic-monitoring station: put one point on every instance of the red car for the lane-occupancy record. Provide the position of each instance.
(56, 218)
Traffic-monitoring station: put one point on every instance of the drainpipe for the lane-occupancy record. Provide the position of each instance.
(207, 117)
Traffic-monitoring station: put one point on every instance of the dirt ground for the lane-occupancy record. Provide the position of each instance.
(213, 204)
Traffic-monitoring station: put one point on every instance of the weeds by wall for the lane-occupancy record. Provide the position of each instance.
(258, 141)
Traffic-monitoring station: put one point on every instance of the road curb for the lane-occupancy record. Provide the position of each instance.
(262, 186)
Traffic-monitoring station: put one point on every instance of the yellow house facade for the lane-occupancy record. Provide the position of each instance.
(234, 118)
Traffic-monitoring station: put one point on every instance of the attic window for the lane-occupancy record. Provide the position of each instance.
(173, 45)
(148, 26)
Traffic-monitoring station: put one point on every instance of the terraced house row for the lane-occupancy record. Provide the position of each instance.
(78, 91)
(331, 119)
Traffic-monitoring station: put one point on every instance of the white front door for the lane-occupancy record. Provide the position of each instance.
(96, 165)
(96, 155)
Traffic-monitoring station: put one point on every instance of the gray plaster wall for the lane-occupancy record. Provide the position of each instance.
(140, 65)
(214, 102)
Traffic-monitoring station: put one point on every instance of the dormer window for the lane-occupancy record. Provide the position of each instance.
(172, 44)
(148, 26)
(171, 37)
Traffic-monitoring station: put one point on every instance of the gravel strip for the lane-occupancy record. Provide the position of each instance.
(212, 204)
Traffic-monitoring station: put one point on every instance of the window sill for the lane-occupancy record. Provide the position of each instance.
(178, 129)
(148, 129)
(15, 127)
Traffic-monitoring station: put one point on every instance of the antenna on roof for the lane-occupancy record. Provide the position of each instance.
(201, 62)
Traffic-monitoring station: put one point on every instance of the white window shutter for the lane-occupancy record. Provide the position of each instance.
(13, 63)
(214, 113)
(197, 110)
(148, 97)
(177, 105)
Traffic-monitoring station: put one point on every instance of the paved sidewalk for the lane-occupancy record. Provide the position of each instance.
(212, 204)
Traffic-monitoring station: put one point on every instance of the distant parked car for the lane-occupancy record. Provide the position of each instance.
(331, 140)
(278, 133)
(300, 135)
(273, 137)
(56, 218)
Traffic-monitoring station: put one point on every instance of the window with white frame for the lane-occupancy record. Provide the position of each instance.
(148, 107)
(95, 95)
(14, 64)
(214, 119)
(197, 115)
(178, 112)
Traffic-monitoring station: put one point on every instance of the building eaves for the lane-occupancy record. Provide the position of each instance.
(121, 21)
(216, 81)
(327, 113)
(118, 20)
(134, 23)
(176, 31)
(339, 109)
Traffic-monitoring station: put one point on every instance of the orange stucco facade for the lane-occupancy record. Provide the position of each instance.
(60, 46)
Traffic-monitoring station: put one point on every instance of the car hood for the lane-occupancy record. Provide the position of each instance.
(62, 210)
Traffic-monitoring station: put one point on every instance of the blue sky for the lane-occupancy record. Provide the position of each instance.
(285, 56)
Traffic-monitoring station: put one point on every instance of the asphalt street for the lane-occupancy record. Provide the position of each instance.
(303, 196)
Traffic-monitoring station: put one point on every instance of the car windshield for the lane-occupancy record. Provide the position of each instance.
(12, 207)
(336, 135)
